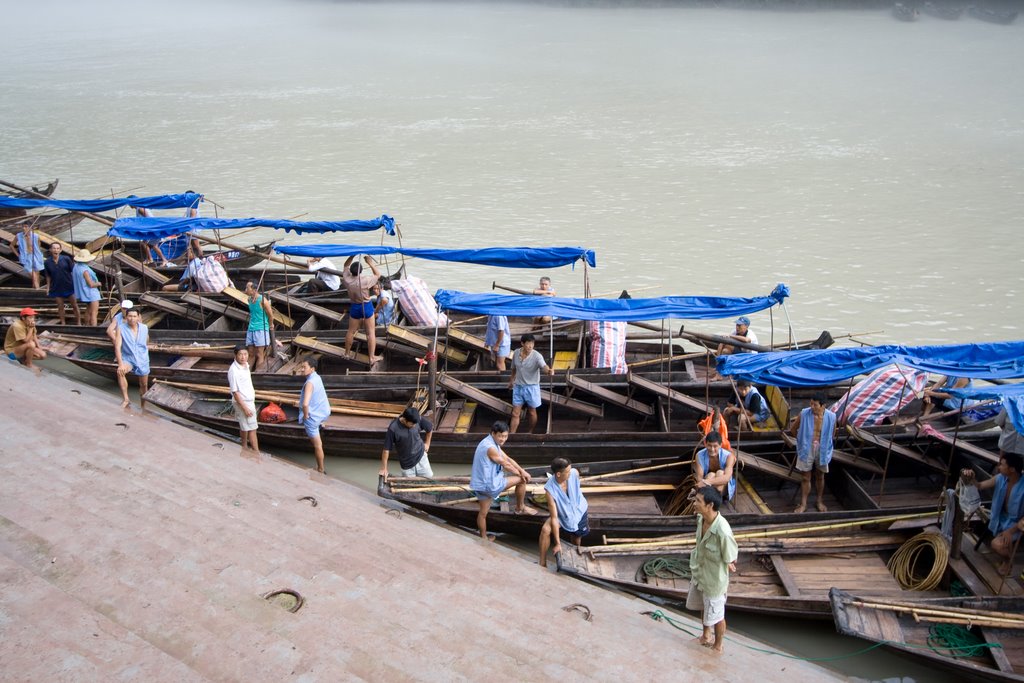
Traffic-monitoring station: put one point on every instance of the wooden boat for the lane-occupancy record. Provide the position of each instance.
(942, 11)
(460, 426)
(32, 193)
(49, 224)
(644, 498)
(781, 570)
(992, 16)
(978, 638)
(904, 12)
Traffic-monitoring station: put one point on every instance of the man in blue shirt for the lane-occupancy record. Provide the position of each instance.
(1006, 520)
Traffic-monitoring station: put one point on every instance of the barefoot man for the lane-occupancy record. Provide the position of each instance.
(488, 479)
(713, 557)
(813, 429)
(715, 466)
(1007, 517)
(21, 342)
(567, 506)
(360, 312)
(314, 408)
(131, 351)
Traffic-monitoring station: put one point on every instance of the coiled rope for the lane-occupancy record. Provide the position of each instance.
(903, 564)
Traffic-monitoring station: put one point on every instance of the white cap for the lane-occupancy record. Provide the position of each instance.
(127, 305)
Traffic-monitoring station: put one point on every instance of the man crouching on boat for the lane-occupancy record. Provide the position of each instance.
(1006, 519)
(715, 466)
(567, 506)
(488, 479)
(713, 557)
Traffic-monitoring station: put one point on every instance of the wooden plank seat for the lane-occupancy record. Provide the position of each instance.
(565, 360)
(663, 391)
(209, 305)
(150, 273)
(311, 344)
(610, 396)
(470, 392)
(279, 316)
(420, 341)
(287, 303)
(572, 403)
(470, 341)
(13, 267)
(896, 449)
(965, 446)
(166, 305)
(767, 466)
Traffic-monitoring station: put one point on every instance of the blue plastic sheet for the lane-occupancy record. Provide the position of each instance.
(1012, 396)
(506, 257)
(687, 307)
(148, 229)
(162, 201)
(997, 360)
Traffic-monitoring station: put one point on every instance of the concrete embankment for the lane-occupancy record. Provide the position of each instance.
(134, 548)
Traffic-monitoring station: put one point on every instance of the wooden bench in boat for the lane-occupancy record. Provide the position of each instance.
(162, 304)
(610, 396)
(572, 403)
(311, 344)
(896, 449)
(666, 392)
(421, 342)
(466, 339)
(767, 466)
(470, 392)
(209, 305)
(185, 362)
(149, 273)
(565, 360)
(13, 267)
(458, 416)
(286, 302)
(965, 446)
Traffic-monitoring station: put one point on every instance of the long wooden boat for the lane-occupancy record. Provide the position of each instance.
(904, 12)
(620, 436)
(978, 638)
(992, 16)
(32, 193)
(646, 497)
(947, 12)
(780, 571)
(50, 224)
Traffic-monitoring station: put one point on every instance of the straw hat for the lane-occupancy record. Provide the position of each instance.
(83, 256)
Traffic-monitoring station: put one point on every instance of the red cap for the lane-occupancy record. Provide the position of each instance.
(27, 311)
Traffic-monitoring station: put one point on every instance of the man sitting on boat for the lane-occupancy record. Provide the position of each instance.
(323, 282)
(754, 410)
(743, 333)
(405, 438)
(715, 466)
(567, 507)
(813, 429)
(488, 479)
(1006, 519)
(934, 395)
(544, 288)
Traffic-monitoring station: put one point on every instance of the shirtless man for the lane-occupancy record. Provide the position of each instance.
(813, 429)
(544, 288)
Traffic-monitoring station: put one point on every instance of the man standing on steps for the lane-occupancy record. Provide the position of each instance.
(404, 438)
(713, 557)
(314, 408)
(131, 352)
(243, 397)
(527, 365)
(813, 429)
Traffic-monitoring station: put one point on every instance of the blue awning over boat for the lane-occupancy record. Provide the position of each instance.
(161, 201)
(1011, 395)
(148, 229)
(687, 307)
(819, 367)
(505, 257)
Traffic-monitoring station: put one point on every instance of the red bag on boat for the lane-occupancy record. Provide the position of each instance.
(272, 413)
(706, 424)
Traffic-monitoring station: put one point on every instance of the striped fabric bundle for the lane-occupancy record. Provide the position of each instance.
(417, 303)
(608, 345)
(210, 275)
(877, 397)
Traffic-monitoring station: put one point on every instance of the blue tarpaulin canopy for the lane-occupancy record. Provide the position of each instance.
(1011, 395)
(997, 360)
(507, 257)
(161, 201)
(689, 307)
(148, 229)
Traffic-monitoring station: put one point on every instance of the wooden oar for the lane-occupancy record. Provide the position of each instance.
(637, 470)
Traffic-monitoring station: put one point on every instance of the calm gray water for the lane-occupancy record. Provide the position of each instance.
(873, 166)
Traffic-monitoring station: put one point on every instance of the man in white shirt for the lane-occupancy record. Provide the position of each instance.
(323, 282)
(243, 397)
(743, 333)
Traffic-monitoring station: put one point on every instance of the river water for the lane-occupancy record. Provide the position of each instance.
(871, 165)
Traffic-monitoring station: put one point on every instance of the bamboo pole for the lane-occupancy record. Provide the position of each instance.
(636, 470)
(769, 533)
(338, 405)
(1016, 620)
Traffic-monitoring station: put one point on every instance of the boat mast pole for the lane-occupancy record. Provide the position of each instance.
(892, 436)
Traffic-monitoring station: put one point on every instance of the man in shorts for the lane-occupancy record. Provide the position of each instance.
(404, 438)
(360, 312)
(22, 342)
(243, 397)
(567, 507)
(314, 408)
(131, 353)
(488, 479)
(527, 365)
(813, 429)
(713, 557)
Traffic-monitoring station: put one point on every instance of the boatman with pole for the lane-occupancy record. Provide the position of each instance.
(713, 558)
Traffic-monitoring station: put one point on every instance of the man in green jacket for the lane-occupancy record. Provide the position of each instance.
(713, 557)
